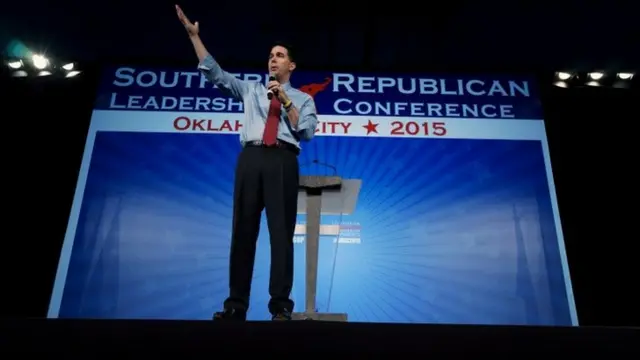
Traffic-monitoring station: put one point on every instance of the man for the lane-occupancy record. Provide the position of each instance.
(266, 174)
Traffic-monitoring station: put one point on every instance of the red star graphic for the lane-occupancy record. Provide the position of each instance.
(371, 127)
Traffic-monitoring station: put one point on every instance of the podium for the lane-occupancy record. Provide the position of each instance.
(322, 195)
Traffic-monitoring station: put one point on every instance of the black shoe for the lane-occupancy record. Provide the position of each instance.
(230, 314)
(283, 315)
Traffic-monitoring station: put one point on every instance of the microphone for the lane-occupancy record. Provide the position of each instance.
(272, 77)
(335, 170)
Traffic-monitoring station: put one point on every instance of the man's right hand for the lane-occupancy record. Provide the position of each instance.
(192, 28)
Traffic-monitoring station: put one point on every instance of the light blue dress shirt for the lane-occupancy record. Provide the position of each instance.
(256, 105)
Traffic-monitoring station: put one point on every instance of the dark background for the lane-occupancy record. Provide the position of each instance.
(591, 130)
(396, 34)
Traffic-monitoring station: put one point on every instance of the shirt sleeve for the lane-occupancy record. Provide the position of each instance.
(308, 119)
(226, 82)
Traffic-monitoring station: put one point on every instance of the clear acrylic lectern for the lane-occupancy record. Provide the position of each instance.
(322, 195)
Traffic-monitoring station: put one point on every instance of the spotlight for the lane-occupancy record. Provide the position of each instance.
(603, 78)
(39, 62)
(563, 76)
(625, 76)
(15, 64)
(38, 65)
(596, 75)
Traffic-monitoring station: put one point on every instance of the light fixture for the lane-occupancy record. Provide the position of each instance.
(596, 75)
(563, 75)
(15, 64)
(39, 62)
(625, 76)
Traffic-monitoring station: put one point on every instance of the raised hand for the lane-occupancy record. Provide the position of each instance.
(192, 28)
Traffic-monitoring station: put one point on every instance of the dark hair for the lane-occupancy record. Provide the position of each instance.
(288, 46)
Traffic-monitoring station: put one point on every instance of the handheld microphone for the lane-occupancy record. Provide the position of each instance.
(272, 77)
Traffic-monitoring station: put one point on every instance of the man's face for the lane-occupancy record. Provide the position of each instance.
(279, 62)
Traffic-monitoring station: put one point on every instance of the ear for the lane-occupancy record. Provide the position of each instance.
(292, 66)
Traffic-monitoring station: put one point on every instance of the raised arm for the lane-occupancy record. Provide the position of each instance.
(208, 66)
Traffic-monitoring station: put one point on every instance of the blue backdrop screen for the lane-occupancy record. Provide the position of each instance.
(456, 220)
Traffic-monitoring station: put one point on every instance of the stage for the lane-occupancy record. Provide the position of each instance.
(88, 338)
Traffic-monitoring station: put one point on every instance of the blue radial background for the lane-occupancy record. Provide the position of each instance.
(451, 231)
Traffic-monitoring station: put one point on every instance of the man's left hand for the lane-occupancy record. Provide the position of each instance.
(277, 89)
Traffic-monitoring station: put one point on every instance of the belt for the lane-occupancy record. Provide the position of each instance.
(279, 144)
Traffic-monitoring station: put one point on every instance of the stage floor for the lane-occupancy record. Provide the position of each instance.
(91, 338)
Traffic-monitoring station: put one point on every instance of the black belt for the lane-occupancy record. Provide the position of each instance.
(279, 144)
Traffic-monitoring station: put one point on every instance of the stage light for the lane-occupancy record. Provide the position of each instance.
(38, 65)
(593, 83)
(596, 75)
(15, 64)
(563, 75)
(625, 76)
(39, 62)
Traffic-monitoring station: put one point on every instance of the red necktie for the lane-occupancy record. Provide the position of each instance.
(270, 135)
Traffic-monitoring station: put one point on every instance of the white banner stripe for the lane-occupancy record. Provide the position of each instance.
(329, 125)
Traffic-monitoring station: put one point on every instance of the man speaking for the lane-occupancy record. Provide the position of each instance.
(277, 118)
